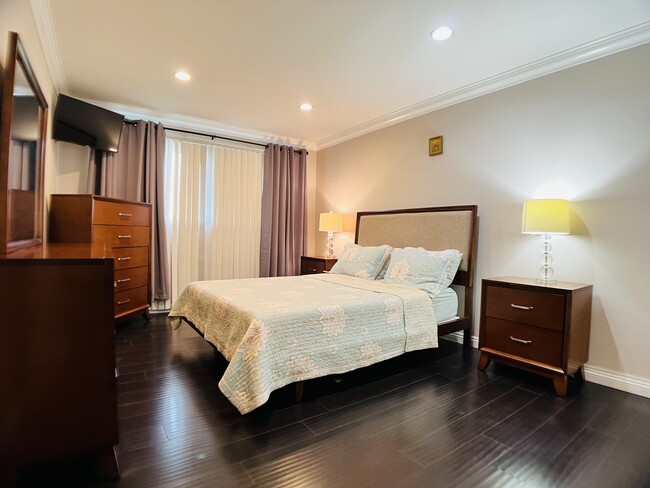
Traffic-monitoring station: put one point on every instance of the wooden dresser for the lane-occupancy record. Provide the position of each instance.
(57, 358)
(123, 227)
(540, 328)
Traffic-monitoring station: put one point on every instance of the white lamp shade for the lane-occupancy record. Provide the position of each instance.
(330, 222)
(546, 216)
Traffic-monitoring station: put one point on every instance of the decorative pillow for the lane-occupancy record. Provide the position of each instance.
(432, 271)
(362, 262)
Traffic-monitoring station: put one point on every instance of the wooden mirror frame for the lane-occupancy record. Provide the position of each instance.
(17, 59)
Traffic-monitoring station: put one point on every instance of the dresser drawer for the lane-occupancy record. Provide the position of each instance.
(120, 235)
(545, 345)
(311, 266)
(111, 213)
(130, 257)
(129, 300)
(125, 279)
(528, 307)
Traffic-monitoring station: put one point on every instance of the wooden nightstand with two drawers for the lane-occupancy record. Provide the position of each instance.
(540, 328)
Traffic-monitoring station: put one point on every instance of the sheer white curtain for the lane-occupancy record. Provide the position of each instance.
(213, 198)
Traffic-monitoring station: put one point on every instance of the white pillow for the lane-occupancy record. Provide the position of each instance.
(361, 261)
(432, 271)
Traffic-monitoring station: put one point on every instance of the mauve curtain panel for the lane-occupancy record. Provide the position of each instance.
(284, 211)
(135, 173)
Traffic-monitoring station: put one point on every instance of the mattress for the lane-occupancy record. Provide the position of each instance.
(445, 305)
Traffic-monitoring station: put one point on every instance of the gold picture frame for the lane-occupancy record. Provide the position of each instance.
(435, 146)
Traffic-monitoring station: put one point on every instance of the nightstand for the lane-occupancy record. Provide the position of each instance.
(315, 264)
(540, 328)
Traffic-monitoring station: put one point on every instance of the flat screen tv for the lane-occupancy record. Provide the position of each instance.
(82, 123)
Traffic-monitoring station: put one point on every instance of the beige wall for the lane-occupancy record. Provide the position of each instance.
(581, 134)
(16, 16)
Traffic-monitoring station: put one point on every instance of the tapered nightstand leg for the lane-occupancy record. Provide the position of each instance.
(580, 374)
(560, 384)
(483, 361)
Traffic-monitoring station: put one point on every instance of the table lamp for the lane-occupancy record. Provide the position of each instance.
(330, 223)
(546, 217)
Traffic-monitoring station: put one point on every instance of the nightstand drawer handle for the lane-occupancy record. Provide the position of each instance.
(123, 214)
(312, 269)
(128, 300)
(520, 307)
(124, 237)
(124, 280)
(521, 341)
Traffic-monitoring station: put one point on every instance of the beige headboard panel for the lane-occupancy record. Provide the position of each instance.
(434, 229)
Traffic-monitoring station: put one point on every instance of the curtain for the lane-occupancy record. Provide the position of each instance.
(213, 211)
(136, 173)
(22, 165)
(284, 211)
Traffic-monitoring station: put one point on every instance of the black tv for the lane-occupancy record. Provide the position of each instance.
(82, 123)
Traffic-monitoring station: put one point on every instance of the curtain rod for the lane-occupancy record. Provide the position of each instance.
(212, 136)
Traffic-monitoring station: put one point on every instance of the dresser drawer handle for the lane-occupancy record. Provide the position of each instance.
(520, 307)
(312, 269)
(521, 341)
(122, 214)
(124, 280)
(127, 258)
(124, 237)
(124, 301)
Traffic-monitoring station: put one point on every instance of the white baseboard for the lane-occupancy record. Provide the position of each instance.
(620, 381)
(593, 374)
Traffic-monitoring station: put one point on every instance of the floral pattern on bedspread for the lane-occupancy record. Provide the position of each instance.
(276, 331)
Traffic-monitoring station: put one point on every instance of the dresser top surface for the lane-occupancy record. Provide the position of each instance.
(99, 198)
(557, 285)
(61, 252)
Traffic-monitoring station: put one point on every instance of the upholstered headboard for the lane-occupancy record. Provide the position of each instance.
(435, 229)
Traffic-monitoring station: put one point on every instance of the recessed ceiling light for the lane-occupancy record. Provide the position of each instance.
(305, 106)
(182, 75)
(441, 33)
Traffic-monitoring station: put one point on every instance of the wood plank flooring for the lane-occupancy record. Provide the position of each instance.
(424, 419)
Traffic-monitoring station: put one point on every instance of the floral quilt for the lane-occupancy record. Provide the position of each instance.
(276, 331)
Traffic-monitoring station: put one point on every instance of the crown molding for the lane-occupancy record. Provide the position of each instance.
(619, 41)
(186, 122)
(45, 28)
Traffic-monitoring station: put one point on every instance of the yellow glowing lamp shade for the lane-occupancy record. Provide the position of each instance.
(546, 217)
(330, 222)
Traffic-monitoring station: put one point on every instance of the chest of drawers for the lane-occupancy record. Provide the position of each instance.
(540, 328)
(122, 227)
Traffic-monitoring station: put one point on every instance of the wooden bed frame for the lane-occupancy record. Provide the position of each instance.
(435, 229)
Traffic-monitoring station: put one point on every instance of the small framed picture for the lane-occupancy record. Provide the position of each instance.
(435, 146)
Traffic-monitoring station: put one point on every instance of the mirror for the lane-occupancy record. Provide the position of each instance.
(22, 152)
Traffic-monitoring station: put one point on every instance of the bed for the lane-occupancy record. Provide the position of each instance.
(278, 331)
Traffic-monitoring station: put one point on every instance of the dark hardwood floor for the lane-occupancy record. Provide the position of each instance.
(424, 419)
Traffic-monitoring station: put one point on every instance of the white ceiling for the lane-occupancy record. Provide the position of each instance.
(361, 63)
